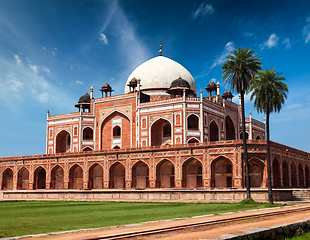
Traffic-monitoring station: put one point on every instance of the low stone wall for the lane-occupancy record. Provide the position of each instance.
(278, 232)
(147, 195)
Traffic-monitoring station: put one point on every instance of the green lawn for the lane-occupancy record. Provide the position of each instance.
(305, 236)
(33, 217)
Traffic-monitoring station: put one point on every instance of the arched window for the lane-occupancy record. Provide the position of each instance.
(214, 132)
(167, 130)
(88, 134)
(246, 135)
(160, 133)
(116, 132)
(230, 129)
(192, 122)
(63, 142)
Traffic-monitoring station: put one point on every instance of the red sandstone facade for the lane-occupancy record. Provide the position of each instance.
(154, 139)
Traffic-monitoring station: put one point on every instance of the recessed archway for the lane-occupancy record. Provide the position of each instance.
(300, 176)
(193, 140)
(39, 178)
(160, 132)
(256, 172)
(230, 129)
(117, 176)
(140, 175)
(165, 174)
(57, 178)
(221, 173)
(276, 173)
(7, 179)
(76, 177)
(293, 174)
(95, 177)
(214, 132)
(63, 142)
(192, 122)
(88, 134)
(23, 179)
(285, 174)
(192, 173)
(307, 176)
(87, 149)
(246, 135)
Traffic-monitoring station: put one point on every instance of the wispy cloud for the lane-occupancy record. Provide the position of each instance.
(287, 43)
(18, 61)
(103, 38)
(79, 82)
(306, 30)
(271, 42)
(203, 10)
(222, 57)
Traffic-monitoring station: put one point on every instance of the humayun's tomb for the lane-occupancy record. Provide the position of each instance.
(160, 140)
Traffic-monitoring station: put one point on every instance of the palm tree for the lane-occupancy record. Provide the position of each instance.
(269, 92)
(239, 70)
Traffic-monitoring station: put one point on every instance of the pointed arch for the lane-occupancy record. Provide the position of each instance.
(293, 174)
(307, 172)
(57, 177)
(246, 135)
(140, 175)
(300, 176)
(192, 122)
(192, 173)
(95, 176)
(221, 173)
(161, 132)
(165, 174)
(230, 128)
(88, 134)
(285, 174)
(256, 172)
(39, 178)
(63, 141)
(23, 179)
(117, 176)
(76, 177)
(193, 140)
(108, 123)
(258, 137)
(276, 173)
(7, 179)
(214, 131)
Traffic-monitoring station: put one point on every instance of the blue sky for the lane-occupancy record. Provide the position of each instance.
(52, 52)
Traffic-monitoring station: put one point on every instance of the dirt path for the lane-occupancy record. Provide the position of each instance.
(193, 233)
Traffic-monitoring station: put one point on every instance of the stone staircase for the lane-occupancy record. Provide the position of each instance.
(301, 194)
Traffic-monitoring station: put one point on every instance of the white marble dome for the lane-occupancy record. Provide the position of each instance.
(158, 73)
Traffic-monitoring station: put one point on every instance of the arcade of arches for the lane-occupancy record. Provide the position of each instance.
(192, 173)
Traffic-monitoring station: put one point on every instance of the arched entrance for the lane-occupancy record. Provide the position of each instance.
(57, 178)
(230, 129)
(7, 179)
(117, 176)
(221, 173)
(276, 173)
(39, 178)
(63, 142)
(88, 134)
(214, 132)
(115, 130)
(256, 172)
(23, 179)
(285, 174)
(192, 173)
(76, 177)
(300, 176)
(165, 174)
(95, 177)
(293, 174)
(246, 135)
(307, 176)
(160, 133)
(140, 175)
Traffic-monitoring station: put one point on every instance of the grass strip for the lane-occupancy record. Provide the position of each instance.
(19, 218)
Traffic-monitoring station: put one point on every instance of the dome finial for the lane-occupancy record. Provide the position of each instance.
(160, 51)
